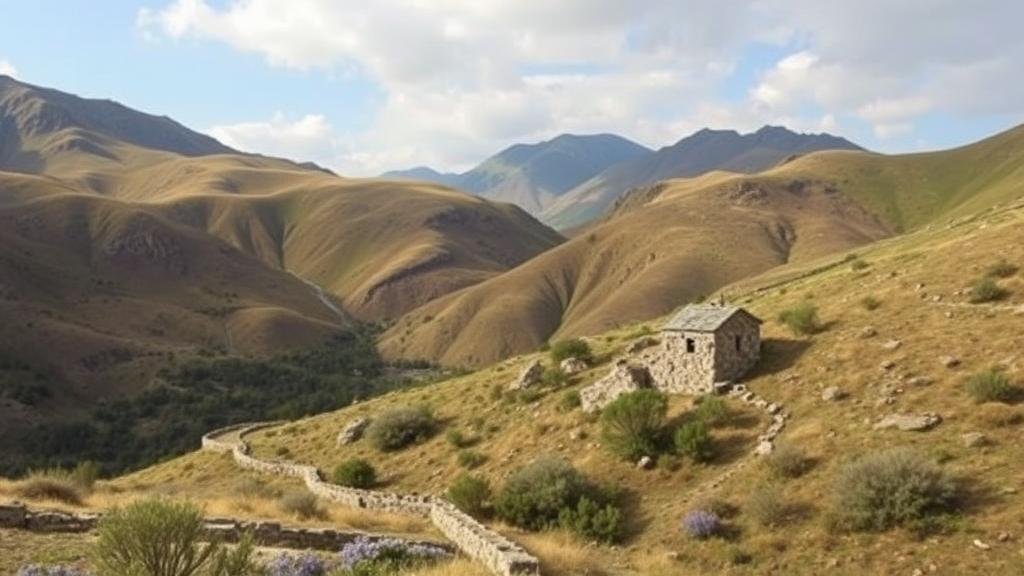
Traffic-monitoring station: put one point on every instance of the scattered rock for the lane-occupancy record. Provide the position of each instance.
(530, 376)
(981, 545)
(919, 381)
(764, 448)
(576, 435)
(909, 422)
(1003, 537)
(352, 431)
(892, 344)
(832, 394)
(645, 463)
(887, 365)
(949, 361)
(974, 439)
(573, 366)
(868, 332)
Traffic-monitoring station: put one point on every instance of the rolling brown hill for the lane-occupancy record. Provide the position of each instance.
(671, 243)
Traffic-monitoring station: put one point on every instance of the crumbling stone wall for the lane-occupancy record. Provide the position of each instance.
(497, 553)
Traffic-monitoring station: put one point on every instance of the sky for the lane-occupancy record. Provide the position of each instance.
(367, 86)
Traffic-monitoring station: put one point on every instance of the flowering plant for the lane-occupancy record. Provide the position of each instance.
(701, 524)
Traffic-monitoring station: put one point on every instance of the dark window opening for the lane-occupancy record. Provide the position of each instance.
(691, 347)
(739, 343)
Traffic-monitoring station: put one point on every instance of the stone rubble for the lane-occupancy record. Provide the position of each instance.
(909, 422)
(352, 431)
(529, 376)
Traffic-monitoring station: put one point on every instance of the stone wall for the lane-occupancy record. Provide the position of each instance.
(624, 377)
(737, 347)
(678, 371)
(497, 553)
(18, 516)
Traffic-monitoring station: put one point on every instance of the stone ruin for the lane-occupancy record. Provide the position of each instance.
(700, 348)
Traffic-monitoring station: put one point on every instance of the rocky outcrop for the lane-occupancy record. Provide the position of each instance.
(573, 366)
(530, 376)
(500, 555)
(909, 422)
(623, 378)
(353, 431)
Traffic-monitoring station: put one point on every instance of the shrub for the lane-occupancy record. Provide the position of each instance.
(554, 377)
(54, 484)
(592, 521)
(712, 409)
(870, 303)
(986, 290)
(570, 400)
(701, 524)
(895, 487)
(457, 439)
(766, 507)
(354, 473)
(632, 424)
(162, 538)
(991, 386)
(471, 459)
(471, 494)
(533, 496)
(572, 348)
(400, 427)
(802, 319)
(788, 461)
(1001, 269)
(693, 441)
(302, 504)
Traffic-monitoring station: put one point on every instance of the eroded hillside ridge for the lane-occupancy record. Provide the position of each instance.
(499, 554)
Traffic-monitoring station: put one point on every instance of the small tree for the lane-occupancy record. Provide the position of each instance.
(573, 348)
(693, 440)
(632, 424)
(355, 473)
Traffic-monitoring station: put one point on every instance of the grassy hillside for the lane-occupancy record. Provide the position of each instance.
(919, 284)
(682, 239)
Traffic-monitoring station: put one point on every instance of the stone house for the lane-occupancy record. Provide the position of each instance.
(704, 344)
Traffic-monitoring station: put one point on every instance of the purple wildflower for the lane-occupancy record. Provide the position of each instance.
(303, 565)
(364, 549)
(701, 524)
(37, 570)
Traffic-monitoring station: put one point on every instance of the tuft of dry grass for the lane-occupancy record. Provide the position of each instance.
(560, 552)
(49, 485)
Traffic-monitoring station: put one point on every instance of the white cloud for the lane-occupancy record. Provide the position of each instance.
(308, 138)
(8, 69)
(463, 79)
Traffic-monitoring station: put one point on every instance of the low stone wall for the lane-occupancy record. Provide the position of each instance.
(497, 553)
(18, 516)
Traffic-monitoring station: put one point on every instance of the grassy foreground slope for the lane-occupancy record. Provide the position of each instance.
(920, 284)
(683, 239)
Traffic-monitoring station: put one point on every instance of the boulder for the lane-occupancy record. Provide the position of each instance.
(868, 332)
(909, 422)
(529, 376)
(832, 394)
(645, 463)
(573, 366)
(353, 431)
(892, 344)
(949, 361)
(974, 439)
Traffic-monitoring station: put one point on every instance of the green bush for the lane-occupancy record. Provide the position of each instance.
(766, 506)
(896, 487)
(354, 473)
(631, 426)
(471, 494)
(802, 319)
(986, 290)
(870, 303)
(991, 386)
(534, 496)
(593, 521)
(693, 440)
(163, 538)
(711, 409)
(554, 377)
(570, 400)
(457, 439)
(1001, 269)
(471, 459)
(572, 348)
(302, 504)
(787, 461)
(400, 427)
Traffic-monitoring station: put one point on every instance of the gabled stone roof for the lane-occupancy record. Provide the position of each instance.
(704, 317)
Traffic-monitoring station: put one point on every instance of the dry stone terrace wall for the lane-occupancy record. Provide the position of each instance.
(497, 553)
(18, 516)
